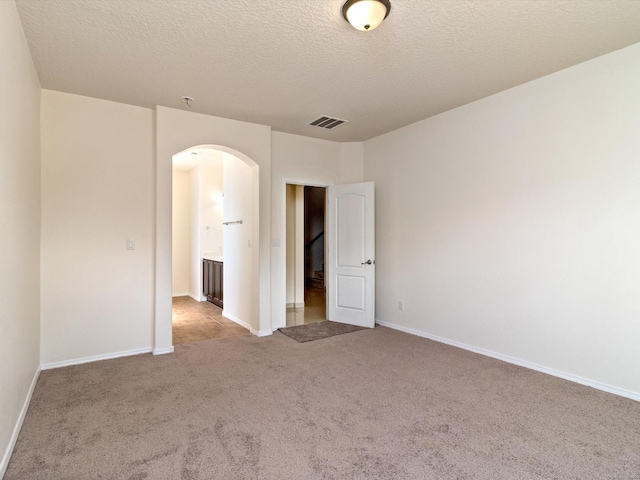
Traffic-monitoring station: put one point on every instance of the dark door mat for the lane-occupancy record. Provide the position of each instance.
(318, 330)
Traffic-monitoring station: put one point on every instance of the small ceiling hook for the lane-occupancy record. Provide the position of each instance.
(187, 100)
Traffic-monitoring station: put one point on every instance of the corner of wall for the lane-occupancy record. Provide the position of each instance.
(20, 226)
(352, 162)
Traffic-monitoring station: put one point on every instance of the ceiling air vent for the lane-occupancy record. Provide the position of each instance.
(327, 122)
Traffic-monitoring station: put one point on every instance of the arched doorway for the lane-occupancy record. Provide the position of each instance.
(213, 230)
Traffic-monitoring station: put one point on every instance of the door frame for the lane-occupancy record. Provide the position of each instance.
(282, 302)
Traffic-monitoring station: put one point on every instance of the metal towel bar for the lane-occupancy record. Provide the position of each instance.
(231, 223)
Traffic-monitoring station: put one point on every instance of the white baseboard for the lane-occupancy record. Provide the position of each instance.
(262, 333)
(162, 351)
(197, 298)
(295, 305)
(16, 429)
(94, 358)
(235, 319)
(258, 333)
(516, 361)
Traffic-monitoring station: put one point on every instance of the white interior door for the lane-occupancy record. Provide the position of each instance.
(351, 266)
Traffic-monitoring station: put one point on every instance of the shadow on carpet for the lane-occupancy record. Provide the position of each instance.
(318, 330)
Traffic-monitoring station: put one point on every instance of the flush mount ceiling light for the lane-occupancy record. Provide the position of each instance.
(366, 15)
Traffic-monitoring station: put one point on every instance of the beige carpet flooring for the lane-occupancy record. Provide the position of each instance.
(373, 404)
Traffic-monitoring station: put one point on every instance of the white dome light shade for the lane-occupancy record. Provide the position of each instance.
(366, 15)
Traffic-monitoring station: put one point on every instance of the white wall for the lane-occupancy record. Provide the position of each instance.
(205, 216)
(290, 205)
(177, 130)
(512, 224)
(19, 227)
(181, 233)
(211, 204)
(295, 245)
(298, 247)
(308, 161)
(238, 240)
(195, 259)
(97, 178)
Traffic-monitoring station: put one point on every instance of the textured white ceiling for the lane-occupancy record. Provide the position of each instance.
(285, 62)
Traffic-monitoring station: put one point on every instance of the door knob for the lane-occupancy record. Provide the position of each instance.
(368, 262)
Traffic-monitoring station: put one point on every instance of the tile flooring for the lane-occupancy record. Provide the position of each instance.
(193, 321)
(314, 309)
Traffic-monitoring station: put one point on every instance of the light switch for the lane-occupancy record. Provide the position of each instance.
(131, 244)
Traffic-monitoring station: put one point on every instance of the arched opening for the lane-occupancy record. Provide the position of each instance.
(212, 244)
